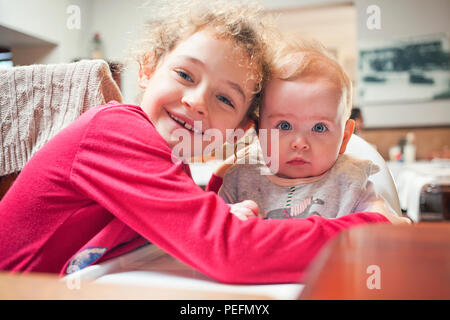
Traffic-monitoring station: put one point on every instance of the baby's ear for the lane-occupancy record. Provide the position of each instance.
(145, 73)
(348, 131)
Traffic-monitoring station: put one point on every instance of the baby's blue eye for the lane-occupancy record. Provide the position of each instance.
(225, 100)
(184, 75)
(319, 127)
(284, 125)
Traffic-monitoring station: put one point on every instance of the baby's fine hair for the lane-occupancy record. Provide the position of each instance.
(295, 59)
(244, 24)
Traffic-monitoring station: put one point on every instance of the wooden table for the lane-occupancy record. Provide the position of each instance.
(413, 263)
(383, 262)
(39, 286)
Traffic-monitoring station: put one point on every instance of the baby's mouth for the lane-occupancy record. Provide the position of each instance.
(297, 162)
(184, 124)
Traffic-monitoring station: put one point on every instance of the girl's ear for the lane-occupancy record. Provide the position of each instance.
(145, 73)
(348, 131)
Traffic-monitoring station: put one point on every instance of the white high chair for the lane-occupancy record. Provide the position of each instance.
(382, 180)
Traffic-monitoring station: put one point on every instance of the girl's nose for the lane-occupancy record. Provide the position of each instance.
(195, 100)
(299, 143)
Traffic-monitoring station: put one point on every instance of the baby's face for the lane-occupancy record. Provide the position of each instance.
(309, 114)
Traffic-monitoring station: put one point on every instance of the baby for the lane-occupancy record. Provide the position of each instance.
(308, 102)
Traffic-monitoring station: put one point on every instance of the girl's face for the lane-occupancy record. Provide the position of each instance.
(202, 79)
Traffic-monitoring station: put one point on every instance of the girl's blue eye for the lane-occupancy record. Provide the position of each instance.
(319, 127)
(225, 100)
(284, 125)
(184, 75)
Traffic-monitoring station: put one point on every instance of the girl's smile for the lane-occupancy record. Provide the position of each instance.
(185, 122)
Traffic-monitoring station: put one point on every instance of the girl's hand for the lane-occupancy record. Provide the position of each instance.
(245, 209)
(239, 151)
(228, 162)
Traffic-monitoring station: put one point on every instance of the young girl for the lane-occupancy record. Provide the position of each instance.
(106, 184)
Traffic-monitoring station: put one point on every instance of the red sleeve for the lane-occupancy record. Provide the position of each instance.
(214, 184)
(124, 165)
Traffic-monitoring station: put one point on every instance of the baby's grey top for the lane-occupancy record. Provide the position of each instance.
(343, 189)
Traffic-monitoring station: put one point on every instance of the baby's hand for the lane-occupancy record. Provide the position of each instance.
(245, 209)
(380, 207)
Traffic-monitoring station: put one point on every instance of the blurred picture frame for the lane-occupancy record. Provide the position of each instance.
(413, 69)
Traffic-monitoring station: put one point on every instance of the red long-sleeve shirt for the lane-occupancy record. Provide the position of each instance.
(106, 184)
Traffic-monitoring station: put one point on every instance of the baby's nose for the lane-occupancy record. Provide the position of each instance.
(299, 143)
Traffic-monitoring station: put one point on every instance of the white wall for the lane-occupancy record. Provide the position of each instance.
(120, 25)
(45, 20)
(45, 24)
(309, 23)
(33, 17)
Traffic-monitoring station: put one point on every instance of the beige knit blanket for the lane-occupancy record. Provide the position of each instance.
(37, 101)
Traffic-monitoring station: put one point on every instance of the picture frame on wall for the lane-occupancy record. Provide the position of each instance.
(414, 69)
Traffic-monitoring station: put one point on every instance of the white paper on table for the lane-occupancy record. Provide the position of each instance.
(151, 266)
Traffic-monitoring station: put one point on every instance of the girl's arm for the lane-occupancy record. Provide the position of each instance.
(216, 180)
(214, 183)
(138, 183)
